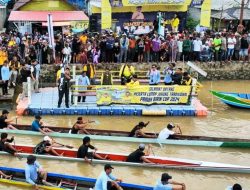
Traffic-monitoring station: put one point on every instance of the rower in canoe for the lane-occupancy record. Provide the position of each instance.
(80, 126)
(83, 151)
(34, 172)
(37, 125)
(168, 132)
(166, 183)
(106, 181)
(138, 156)
(46, 147)
(137, 131)
(5, 122)
(6, 146)
(5, 176)
(236, 186)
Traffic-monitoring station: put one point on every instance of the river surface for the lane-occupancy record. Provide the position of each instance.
(222, 121)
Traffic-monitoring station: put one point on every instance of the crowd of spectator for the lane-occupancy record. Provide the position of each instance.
(22, 55)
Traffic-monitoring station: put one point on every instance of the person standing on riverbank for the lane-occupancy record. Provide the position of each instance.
(64, 88)
(5, 73)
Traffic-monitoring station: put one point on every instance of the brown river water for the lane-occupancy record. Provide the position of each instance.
(222, 121)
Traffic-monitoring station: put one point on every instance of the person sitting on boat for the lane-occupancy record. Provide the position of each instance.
(168, 132)
(106, 181)
(236, 186)
(46, 147)
(137, 131)
(79, 126)
(34, 171)
(6, 146)
(83, 151)
(37, 125)
(5, 123)
(138, 156)
(5, 176)
(166, 183)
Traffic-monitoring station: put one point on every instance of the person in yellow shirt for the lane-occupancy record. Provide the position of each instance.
(83, 38)
(90, 72)
(175, 23)
(126, 73)
(3, 58)
(12, 42)
(134, 82)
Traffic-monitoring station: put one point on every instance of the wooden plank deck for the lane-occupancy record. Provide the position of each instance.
(8, 97)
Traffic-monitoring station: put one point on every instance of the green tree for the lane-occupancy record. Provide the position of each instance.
(191, 23)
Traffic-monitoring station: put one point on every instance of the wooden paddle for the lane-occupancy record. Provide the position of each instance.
(179, 129)
(67, 146)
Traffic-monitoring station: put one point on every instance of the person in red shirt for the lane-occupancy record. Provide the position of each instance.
(147, 48)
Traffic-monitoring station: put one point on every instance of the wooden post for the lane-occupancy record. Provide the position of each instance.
(76, 89)
(29, 90)
(74, 72)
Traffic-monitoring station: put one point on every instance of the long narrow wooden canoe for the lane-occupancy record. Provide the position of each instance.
(122, 136)
(158, 162)
(239, 100)
(61, 181)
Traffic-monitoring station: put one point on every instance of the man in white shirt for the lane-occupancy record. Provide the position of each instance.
(106, 181)
(168, 132)
(231, 41)
(197, 44)
(67, 54)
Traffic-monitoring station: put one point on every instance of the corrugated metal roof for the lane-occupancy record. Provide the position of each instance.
(232, 14)
(19, 4)
(41, 16)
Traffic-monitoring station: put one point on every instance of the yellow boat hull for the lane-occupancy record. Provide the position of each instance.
(24, 184)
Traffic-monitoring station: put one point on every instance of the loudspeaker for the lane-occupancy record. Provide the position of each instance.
(93, 23)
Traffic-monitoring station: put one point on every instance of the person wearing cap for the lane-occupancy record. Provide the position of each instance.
(83, 151)
(168, 132)
(80, 126)
(138, 156)
(236, 186)
(137, 131)
(37, 125)
(6, 146)
(46, 147)
(5, 123)
(166, 183)
(34, 171)
(106, 181)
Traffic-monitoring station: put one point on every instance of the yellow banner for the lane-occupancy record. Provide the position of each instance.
(205, 13)
(106, 15)
(151, 2)
(142, 95)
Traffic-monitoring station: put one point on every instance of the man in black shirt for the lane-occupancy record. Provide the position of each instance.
(138, 156)
(177, 76)
(244, 47)
(5, 123)
(5, 146)
(83, 151)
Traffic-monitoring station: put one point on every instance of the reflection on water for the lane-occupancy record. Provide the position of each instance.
(221, 121)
